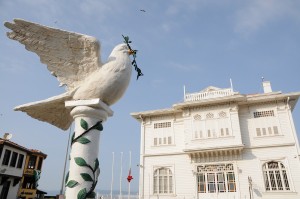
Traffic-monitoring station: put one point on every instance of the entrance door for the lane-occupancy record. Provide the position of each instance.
(5, 190)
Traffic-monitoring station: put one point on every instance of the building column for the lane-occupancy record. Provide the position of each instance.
(82, 177)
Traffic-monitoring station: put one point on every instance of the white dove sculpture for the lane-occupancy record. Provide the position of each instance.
(74, 60)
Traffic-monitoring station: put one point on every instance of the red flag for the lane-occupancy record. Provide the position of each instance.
(129, 178)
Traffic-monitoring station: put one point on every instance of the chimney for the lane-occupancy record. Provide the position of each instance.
(267, 87)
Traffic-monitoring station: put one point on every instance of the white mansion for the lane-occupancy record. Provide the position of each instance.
(221, 144)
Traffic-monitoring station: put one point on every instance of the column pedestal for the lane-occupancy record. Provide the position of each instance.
(82, 177)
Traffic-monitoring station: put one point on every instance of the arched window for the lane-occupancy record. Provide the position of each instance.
(275, 177)
(162, 181)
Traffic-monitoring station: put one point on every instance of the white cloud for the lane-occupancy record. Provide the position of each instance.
(183, 67)
(157, 83)
(257, 13)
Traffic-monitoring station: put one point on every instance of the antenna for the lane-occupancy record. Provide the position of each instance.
(184, 92)
(231, 84)
(7, 136)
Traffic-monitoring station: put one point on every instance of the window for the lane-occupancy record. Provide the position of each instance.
(258, 114)
(169, 140)
(163, 181)
(267, 131)
(221, 182)
(201, 183)
(211, 182)
(275, 176)
(31, 163)
(216, 178)
(231, 182)
(162, 133)
(275, 129)
(162, 125)
(6, 157)
(265, 123)
(212, 125)
(40, 163)
(20, 161)
(13, 159)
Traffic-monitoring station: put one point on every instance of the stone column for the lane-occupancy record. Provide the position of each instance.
(84, 169)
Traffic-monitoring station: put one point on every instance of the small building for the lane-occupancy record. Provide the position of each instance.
(20, 170)
(218, 143)
(12, 160)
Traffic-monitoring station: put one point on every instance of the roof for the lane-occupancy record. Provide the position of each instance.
(240, 99)
(13, 144)
(17, 146)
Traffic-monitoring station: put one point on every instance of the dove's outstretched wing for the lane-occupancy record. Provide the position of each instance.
(69, 56)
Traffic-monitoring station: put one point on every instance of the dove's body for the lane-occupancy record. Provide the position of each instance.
(110, 82)
(74, 59)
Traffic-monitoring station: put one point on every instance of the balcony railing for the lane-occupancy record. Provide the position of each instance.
(208, 95)
(27, 192)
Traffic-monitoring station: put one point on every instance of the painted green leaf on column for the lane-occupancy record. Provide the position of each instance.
(83, 140)
(80, 161)
(99, 126)
(96, 164)
(84, 124)
(82, 194)
(86, 177)
(97, 172)
(71, 183)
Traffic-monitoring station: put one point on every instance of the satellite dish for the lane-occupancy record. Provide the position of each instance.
(7, 136)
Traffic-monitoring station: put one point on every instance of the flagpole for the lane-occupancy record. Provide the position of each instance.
(120, 196)
(66, 159)
(129, 174)
(112, 174)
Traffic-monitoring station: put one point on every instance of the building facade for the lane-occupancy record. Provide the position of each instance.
(218, 143)
(20, 170)
(12, 160)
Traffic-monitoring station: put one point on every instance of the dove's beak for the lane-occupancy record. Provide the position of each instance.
(131, 52)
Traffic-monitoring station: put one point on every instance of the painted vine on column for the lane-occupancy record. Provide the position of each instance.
(95, 170)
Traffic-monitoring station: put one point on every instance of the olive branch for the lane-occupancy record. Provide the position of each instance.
(133, 53)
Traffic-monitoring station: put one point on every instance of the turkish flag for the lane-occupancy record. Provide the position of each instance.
(129, 177)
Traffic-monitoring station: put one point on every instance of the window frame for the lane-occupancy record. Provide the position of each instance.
(163, 181)
(20, 161)
(6, 157)
(211, 125)
(163, 133)
(30, 161)
(14, 158)
(276, 179)
(216, 180)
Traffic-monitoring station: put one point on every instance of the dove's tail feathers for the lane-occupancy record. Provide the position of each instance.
(51, 110)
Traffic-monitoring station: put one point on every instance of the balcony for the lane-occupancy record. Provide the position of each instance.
(28, 171)
(27, 193)
(208, 93)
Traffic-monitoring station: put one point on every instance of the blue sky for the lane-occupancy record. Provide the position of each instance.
(196, 43)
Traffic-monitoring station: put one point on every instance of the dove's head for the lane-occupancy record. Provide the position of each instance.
(120, 49)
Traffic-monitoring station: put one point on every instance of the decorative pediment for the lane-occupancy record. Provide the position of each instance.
(210, 89)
